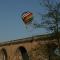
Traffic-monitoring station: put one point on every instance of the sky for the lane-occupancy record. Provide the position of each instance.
(11, 25)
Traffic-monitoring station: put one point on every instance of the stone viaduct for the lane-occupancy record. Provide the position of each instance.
(31, 48)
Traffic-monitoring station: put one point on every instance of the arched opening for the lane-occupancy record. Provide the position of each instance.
(3, 54)
(24, 53)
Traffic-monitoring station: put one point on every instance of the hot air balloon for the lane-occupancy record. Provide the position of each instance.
(27, 17)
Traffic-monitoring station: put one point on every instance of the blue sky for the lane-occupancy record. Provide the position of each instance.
(11, 24)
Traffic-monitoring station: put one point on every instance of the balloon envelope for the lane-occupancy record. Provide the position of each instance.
(27, 17)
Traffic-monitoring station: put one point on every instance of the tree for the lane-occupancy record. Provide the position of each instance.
(51, 19)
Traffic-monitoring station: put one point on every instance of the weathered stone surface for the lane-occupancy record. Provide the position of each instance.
(35, 47)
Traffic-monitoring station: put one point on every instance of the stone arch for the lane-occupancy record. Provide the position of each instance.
(23, 55)
(3, 54)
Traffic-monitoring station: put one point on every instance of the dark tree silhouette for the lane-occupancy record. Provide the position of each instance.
(51, 19)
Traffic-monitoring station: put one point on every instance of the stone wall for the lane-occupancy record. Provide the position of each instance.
(36, 49)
